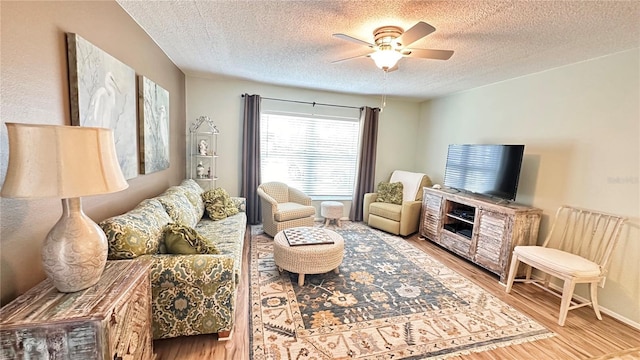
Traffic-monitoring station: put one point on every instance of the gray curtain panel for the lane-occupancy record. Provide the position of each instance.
(251, 157)
(365, 180)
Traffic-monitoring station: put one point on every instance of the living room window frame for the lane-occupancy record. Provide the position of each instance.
(302, 182)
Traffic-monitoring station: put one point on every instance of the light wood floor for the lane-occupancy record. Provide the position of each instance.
(582, 337)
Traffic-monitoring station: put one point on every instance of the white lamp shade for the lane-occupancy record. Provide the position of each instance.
(386, 59)
(61, 162)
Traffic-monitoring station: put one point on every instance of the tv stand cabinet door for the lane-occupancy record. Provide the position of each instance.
(431, 216)
(493, 239)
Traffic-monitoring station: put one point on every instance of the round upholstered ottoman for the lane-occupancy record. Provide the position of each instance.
(332, 210)
(308, 259)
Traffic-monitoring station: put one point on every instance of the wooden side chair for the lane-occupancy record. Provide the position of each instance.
(577, 250)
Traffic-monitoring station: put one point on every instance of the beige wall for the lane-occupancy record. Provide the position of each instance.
(220, 98)
(581, 127)
(35, 89)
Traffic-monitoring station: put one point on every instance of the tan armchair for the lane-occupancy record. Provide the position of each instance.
(284, 207)
(397, 219)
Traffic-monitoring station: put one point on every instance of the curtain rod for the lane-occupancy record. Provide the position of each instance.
(309, 103)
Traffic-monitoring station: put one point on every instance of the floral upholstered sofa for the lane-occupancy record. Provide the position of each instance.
(191, 294)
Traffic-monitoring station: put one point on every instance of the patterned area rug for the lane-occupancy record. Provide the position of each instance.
(389, 301)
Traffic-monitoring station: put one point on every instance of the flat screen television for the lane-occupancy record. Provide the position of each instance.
(492, 170)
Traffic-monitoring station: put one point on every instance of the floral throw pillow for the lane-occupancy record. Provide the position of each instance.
(218, 204)
(178, 206)
(390, 193)
(181, 239)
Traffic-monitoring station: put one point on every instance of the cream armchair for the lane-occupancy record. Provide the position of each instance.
(397, 219)
(284, 207)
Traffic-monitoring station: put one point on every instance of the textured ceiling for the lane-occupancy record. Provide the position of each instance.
(291, 43)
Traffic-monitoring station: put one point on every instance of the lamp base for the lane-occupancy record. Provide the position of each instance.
(74, 252)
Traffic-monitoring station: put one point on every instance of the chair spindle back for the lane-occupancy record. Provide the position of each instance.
(587, 233)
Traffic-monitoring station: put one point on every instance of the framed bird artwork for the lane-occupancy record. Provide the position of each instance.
(153, 126)
(102, 92)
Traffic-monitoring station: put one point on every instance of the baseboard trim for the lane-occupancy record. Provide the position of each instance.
(344, 218)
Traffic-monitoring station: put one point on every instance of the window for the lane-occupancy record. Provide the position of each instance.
(314, 154)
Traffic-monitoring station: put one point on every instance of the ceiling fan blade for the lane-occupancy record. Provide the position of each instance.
(366, 53)
(353, 40)
(417, 32)
(428, 53)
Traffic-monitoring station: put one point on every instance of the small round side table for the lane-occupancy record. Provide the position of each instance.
(332, 210)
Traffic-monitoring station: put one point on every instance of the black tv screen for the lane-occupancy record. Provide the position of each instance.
(491, 170)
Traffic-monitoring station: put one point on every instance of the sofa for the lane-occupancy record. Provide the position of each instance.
(191, 293)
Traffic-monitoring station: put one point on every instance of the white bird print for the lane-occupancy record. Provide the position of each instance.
(102, 104)
(164, 127)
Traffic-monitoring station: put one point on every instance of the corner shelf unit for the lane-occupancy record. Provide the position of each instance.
(203, 152)
(478, 229)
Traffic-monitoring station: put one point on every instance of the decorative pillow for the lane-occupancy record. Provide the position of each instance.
(390, 192)
(218, 204)
(191, 185)
(137, 232)
(194, 193)
(179, 208)
(181, 239)
(194, 198)
(240, 203)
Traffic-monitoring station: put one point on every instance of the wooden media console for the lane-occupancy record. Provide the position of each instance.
(478, 228)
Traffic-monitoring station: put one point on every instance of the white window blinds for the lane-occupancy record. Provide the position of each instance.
(315, 154)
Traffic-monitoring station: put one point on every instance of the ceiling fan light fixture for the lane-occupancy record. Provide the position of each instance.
(386, 58)
(392, 43)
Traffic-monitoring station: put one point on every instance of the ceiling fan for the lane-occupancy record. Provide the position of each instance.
(392, 43)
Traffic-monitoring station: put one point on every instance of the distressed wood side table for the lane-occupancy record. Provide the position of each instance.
(110, 320)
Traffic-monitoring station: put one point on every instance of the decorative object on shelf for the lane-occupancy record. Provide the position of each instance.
(200, 170)
(44, 162)
(202, 147)
(102, 94)
(203, 152)
(154, 126)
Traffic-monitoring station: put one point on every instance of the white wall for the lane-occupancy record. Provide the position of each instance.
(220, 98)
(581, 127)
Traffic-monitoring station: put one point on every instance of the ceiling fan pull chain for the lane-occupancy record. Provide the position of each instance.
(384, 91)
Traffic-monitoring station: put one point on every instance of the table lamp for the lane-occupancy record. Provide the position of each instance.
(65, 162)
